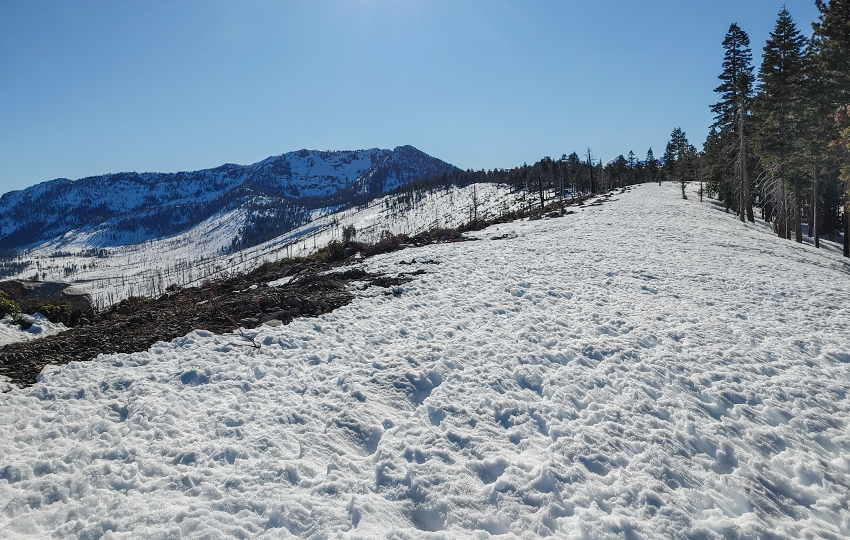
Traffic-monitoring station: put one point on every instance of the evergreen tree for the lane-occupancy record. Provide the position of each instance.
(651, 166)
(732, 111)
(818, 128)
(831, 45)
(680, 159)
(574, 172)
(669, 160)
(778, 111)
(717, 169)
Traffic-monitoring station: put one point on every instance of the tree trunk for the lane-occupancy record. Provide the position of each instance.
(561, 171)
(700, 185)
(746, 200)
(814, 227)
(798, 221)
(846, 229)
(789, 217)
(540, 187)
(781, 219)
(592, 182)
(742, 163)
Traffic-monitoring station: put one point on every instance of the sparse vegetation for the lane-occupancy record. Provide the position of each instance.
(8, 306)
(51, 311)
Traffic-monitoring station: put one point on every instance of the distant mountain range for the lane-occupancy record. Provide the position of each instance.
(278, 193)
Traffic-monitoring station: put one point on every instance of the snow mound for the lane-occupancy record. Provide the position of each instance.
(41, 327)
(642, 369)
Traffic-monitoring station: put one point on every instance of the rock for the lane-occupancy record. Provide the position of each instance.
(250, 322)
(29, 293)
(280, 314)
(84, 322)
(124, 309)
(348, 252)
(274, 322)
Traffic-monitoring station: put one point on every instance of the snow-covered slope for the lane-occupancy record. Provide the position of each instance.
(647, 368)
(125, 208)
(148, 268)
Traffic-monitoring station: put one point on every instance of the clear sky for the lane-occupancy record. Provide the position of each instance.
(92, 87)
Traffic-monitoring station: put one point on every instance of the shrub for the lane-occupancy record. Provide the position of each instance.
(272, 266)
(51, 311)
(8, 306)
(332, 252)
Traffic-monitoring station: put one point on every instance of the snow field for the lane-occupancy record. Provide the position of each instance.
(640, 369)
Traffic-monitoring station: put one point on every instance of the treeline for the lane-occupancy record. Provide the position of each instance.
(570, 176)
(780, 142)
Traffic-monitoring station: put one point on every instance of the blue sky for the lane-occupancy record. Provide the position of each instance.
(93, 87)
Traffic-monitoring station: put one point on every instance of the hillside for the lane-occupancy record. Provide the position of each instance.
(148, 268)
(645, 368)
(129, 208)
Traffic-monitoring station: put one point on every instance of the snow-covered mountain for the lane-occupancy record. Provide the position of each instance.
(132, 207)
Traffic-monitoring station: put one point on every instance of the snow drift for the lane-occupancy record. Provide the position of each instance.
(641, 369)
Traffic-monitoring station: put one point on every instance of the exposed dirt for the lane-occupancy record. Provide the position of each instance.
(219, 306)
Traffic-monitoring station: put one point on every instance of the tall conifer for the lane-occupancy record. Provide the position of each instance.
(831, 44)
(778, 111)
(733, 109)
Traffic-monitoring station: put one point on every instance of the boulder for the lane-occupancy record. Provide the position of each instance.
(29, 293)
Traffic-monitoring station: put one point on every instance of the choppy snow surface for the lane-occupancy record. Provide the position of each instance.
(41, 327)
(642, 369)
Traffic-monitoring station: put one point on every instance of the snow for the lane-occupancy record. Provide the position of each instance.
(147, 268)
(41, 327)
(647, 368)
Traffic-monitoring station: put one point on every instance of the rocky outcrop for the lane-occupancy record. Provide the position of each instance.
(29, 294)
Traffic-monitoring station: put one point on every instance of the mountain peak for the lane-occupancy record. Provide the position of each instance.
(151, 205)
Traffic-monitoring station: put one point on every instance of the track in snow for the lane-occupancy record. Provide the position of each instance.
(642, 369)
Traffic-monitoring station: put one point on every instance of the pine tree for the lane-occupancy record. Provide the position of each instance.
(651, 166)
(732, 111)
(831, 45)
(716, 168)
(778, 112)
(680, 159)
(574, 170)
(669, 159)
(818, 130)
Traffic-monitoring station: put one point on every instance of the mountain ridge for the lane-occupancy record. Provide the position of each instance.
(153, 204)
